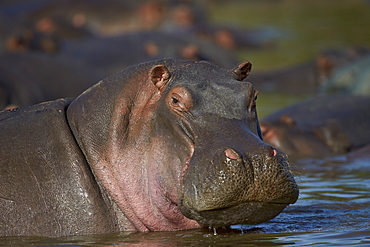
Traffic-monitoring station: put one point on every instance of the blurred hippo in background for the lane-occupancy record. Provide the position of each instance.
(355, 162)
(97, 17)
(33, 77)
(307, 78)
(319, 127)
(111, 54)
(159, 146)
(28, 25)
(353, 78)
(44, 25)
(28, 78)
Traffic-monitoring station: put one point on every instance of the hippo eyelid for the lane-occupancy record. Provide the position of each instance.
(174, 100)
(180, 100)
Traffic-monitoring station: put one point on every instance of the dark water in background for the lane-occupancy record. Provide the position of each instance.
(334, 204)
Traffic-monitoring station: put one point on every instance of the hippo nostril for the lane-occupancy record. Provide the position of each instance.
(272, 152)
(231, 154)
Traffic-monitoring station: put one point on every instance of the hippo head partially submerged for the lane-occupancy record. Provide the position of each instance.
(177, 144)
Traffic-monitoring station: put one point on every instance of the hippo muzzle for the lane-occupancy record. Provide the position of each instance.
(235, 178)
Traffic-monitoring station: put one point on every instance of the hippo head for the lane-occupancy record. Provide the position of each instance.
(182, 146)
(304, 139)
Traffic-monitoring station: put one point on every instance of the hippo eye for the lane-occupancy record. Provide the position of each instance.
(175, 101)
(179, 100)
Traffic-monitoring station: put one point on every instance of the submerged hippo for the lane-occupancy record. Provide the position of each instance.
(162, 145)
(307, 78)
(350, 79)
(322, 126)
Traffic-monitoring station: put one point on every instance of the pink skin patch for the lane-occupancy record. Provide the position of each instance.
(231, 154)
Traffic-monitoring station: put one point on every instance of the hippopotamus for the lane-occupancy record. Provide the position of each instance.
(162, 145)
(29, 78)
(309, 77)
(41, 77)
(322, 126)
(108, 55)
(351, 78)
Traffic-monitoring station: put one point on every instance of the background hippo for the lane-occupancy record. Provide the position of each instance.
(163, 145)
(32, 77)
(110, 54)
(351, 78)
(321, 126)
(29, 78)
(310, 77)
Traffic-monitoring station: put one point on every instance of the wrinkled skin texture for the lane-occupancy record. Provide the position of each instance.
(319, 127)
(163, 145)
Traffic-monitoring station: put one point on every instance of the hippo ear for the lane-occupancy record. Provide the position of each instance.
(159, 75)
(287, 120)
(325, 66)
(242, 70)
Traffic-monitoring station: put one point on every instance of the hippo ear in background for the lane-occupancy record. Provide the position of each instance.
(325, 66)
(242, 70)
(287, 120)
(159, 75)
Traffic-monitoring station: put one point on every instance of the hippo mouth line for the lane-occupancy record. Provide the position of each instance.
(251, 213)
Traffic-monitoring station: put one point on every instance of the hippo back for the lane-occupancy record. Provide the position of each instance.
(46, 186)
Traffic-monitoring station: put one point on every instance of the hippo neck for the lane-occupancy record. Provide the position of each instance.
(111, 122)
(126, 156)
(133, 176)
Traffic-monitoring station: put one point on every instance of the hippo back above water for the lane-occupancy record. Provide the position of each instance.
(163, 145)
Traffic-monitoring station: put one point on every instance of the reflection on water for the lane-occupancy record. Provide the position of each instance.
(333, 210)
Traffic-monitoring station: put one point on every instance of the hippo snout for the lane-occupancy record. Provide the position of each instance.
(237, 187)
